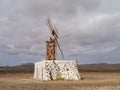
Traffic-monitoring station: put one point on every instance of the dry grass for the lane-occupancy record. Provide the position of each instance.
(91, 81)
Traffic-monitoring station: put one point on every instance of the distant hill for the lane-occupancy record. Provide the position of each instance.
(102, 67)
(24, 68)
(29, 68)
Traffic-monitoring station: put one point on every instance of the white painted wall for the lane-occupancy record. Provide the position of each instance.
(58, 69)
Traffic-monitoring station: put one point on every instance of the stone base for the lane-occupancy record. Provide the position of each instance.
(56, 70)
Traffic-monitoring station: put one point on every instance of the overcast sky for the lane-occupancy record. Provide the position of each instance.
(89, 30)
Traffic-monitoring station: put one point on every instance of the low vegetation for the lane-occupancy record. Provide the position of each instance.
(91, 81)
(94, 77)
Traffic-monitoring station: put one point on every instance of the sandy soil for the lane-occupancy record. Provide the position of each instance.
(90, 81)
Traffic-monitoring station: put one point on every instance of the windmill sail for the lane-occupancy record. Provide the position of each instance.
(54, 33)
(52, 28)
(59, 48)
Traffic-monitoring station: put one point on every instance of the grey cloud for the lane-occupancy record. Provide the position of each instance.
(92, 36)
(98, 35)
(53, 7)
(21, 36)
(99, 28)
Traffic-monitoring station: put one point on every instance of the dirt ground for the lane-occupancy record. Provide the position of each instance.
(90, 81)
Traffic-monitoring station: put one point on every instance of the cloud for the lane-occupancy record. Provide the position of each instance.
(102, 27)
(92, 35)
(96, 36)
(53, 7)
(19, 35)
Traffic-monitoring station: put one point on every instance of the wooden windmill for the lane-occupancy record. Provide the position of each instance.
(52, 43)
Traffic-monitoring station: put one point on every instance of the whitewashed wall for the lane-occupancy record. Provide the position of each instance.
(58, 69)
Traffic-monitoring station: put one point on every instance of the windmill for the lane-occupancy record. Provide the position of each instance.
(52, 44)
(52, 69)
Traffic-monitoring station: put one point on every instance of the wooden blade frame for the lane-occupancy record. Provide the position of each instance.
(59, 48)
(53, 31)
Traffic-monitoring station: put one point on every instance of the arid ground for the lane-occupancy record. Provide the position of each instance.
(94, 77)
(90, 81)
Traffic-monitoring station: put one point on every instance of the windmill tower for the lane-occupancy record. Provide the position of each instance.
(51, 68)
(52, 43)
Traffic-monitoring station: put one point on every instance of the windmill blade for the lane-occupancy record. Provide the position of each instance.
(59, 48)
(52, 28)
(54, 34)
(56, 31)
(49, 25)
